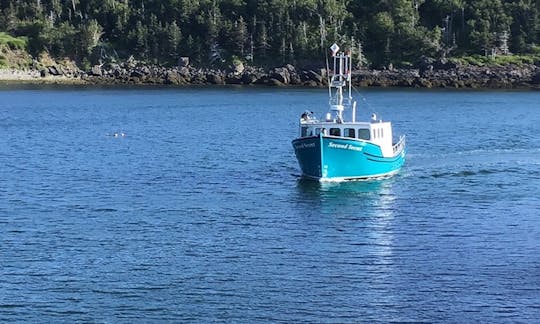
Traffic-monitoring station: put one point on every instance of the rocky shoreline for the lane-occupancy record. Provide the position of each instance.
(440, 74)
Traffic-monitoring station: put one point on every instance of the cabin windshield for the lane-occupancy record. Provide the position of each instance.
(363, 134)
(335, 132)
(344, 131)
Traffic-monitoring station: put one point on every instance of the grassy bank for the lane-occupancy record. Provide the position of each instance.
(499, 60)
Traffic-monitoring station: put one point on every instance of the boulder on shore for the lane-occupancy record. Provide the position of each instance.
(238, 67)
(55, 70)
(172, 77)
(96, 71)
(536, 78)
(183, 61)
(430, 73)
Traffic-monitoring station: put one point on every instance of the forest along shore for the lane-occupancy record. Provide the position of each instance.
(437, 74)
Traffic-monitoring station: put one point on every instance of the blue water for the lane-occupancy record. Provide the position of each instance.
(198, 213)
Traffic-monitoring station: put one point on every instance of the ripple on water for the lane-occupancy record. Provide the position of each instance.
(187, 219)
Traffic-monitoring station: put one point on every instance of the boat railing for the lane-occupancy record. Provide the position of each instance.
(398, 147)
(346, 101)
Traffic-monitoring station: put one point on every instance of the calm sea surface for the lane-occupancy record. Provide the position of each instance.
(198, 213)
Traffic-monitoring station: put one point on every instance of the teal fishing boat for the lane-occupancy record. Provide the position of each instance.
(333, 149)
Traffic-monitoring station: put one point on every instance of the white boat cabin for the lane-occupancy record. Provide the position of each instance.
(376, 131)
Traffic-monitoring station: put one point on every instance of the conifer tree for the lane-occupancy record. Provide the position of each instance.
(272, 31)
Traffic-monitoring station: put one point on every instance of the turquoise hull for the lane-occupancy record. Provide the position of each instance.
(334, 159)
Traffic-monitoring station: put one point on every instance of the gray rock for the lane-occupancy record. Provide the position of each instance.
(145, 70)
(96, 71)
(131, 62)
(184, 72)
(172, 77)
(214, 78)
(274, 82)
(183, 61)
(53, 70)
(312, 75)
(281, 74)
(136, 74)
(197, 76)
(295, 79)
(536, 78)
(249, 78)
(310, 83)
(290, 68)
(426, 65)
(231, 78)
(120, 73)
(238, 67)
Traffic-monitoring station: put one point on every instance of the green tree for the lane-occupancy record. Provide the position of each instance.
(173, 38)
(273, 31)
(525, 26)
(89, 36)
(484, 20)
(380, 29)
(139, 38)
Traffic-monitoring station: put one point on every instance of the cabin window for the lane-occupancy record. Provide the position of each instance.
(335, 132)
(317, 131)
(363, 134)
(382, 132)
(304, 132)
(374, 131)
(350, 132)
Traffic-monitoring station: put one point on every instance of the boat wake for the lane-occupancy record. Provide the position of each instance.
(469, 173)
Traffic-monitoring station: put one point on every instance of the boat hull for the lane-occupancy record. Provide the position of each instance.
(336, 158)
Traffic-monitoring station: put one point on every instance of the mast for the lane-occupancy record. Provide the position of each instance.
(340, 78)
